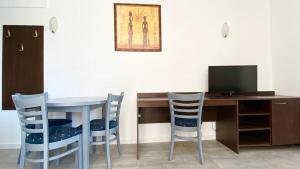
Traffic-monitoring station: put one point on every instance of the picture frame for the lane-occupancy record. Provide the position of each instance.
(137, 27)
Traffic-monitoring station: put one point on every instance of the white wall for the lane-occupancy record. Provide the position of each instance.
(80, 59)
(285, 46)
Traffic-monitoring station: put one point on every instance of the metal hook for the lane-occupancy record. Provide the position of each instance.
(35, 35)
(8, 35)
(21, 47)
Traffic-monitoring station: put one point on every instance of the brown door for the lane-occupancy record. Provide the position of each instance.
(285, 116)
(22, 62)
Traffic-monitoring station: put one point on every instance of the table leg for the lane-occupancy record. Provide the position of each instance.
(69, 115)
(86, 136)
(137, 137)
(103, 117)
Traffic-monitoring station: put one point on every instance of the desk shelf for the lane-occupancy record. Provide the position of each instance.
(254, 114)
(251, 123)
(254, 138)
(254, 123)
(254, 128)
(254, 107)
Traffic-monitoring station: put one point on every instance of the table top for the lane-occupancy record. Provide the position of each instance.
(76, 101)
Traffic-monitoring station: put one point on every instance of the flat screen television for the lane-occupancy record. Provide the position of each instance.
(232, 79)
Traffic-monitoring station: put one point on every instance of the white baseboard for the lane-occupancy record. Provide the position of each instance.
(161, 139)
(9, 146)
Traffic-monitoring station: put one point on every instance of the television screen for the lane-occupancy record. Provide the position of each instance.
(237, 79)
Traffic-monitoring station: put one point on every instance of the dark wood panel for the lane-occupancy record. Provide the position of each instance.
(165, 94)
(258, 93)
(162, 114)
(227, 127)
(22, 71)
(285, 120)
(154, 115)
(163, 102)
(297, 120)
(9, 54)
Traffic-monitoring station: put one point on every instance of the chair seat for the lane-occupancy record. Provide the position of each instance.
(55, 134)
(99, 125)
(186, 122)
(53, 123)
(58, 122)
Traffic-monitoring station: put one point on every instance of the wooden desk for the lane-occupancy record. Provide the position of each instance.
(241, 121)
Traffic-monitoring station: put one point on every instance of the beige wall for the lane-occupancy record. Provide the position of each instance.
(286, 46)
(80, 59)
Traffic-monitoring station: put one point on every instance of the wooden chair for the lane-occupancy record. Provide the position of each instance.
(108, 128)
(51, 122)
(186, 113)
(32, 110)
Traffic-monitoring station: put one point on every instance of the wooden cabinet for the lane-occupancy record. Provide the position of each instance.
(285, 121)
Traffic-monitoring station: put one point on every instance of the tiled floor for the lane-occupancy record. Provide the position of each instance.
(154, 156)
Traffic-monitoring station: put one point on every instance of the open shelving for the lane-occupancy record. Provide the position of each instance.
(254, 123)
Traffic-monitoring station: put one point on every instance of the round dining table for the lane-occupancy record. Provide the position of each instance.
(83, 105)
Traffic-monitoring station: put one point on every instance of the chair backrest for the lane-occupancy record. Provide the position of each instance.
(32, 111)
(186, 106)
(113, 107)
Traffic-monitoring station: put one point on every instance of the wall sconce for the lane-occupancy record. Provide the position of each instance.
(53, 24)
(225, 30)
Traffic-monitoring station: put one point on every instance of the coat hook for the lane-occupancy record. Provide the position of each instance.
(8, 35)
(21, 47)
(35, 35)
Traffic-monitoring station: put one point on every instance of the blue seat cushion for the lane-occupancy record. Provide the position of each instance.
(99, 124)
(53, 123)
(58, 122)
(186, 122)
(55, 134)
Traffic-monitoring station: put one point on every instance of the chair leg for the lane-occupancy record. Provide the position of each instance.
(200, 148)
(107, 150)
(171, 151)
(22, 157)
(94, 147)
(46, 160)
(77, 159)
(118, 141)
(18, 162)
(57, 162)
(40, 156)
(80, 153)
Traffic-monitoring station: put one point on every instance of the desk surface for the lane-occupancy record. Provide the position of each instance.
(209, 101)
(225, 98)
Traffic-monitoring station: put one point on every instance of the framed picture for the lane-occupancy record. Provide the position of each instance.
(137, 27)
